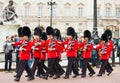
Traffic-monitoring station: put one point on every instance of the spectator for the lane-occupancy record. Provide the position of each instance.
(8, 54)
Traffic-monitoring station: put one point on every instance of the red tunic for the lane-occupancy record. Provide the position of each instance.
(87, 48)
(52, 48)
(111, 45)
(104, 55)
(43, 52)
(38, 48)
(60, 49)
(19, 43)
(24, 54)
(72, 47)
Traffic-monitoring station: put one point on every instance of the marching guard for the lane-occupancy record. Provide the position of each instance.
(52, 47)
(71, 52)
(25, 48)
(87, 48)
(36, 48)
(57, 67)
(43, 67)
(108, 67)
(103, 51)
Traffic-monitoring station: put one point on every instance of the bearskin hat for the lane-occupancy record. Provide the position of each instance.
(37, 31)
(20, 32)
(70, 31)
(109, 33)
(57, 33)
(49, 30)
(104, 37)
(87, 34)
(76, 36)
(44, 36)
(26, 31)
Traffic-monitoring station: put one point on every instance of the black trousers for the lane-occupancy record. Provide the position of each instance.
(51, 63)
(61, 70)
(71, 67)
(42, 68)
(75, 67)
(58, 70)
(103, 65)
(85, 66)
(8, 60)
(109, 67)
(23, 66)
(17, 61)
(35, 65)
(42, 62)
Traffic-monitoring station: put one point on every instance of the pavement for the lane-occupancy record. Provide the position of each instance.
(6, 77)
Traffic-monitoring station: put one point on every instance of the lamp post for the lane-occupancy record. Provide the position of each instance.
(51, 3)
(38, 20)
(95, 32)
(95, 16)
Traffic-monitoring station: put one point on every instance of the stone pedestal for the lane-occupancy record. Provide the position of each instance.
(7, 30)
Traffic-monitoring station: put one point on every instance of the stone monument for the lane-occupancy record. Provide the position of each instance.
(10, 23)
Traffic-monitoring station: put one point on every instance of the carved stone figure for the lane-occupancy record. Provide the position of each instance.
(9, 13)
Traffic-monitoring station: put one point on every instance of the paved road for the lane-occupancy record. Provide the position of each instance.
(113, 78)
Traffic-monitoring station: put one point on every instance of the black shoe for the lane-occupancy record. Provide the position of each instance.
(51, 75)
(41, 76)
(80, 74)
(45, 77)
(91, 74)
(17, 79)
(109, 73)
(112, 69)
(75, 75)
(31, 78)
(62, 72)
(37, 75)
(26, 75)
(15, 75)
(83, 76)
(66, 77)
(99, 75)
(55, 77)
